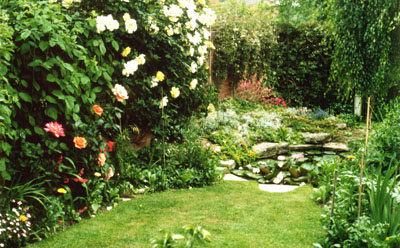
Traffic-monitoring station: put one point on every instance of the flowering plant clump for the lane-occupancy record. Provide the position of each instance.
(15, 225)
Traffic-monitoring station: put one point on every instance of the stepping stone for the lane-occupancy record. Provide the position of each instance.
(339, 147)
(231, 177)
(316, 138)
(230, 164)
(304, 147)
(277, 188)
(268, 149)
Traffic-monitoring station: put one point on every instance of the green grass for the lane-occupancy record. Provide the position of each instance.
(237, 214)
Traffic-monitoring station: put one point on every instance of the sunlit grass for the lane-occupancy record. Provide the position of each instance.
(237, 214)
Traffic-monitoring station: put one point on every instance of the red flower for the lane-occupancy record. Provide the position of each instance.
(60, 160)
(66, 180)
(81, 172)
(110, 145)
(54, 128)
(82, 210)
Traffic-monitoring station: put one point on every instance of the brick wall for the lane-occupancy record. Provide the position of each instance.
(225, 89)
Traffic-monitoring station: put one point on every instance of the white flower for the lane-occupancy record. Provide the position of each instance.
(191, 51)
(130, 26)
(192, 14)
(256, 170)
(111, 24)
(206, 34)
(140, 60)
(154, 82)
(173, 11)
(175, 92)
(208, 18)
(129, 68)
(193, 84)
(193, 67)
(154, 28)
(120, 93)
(126, 17)
(163, 102)
(101, 23)
(211, 109)
(202, 50)
(196, 39)
(200, 60)
(126, 1)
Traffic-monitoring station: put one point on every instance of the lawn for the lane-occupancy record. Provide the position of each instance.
(237, 214)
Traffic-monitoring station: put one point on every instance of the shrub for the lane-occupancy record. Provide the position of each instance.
(71, 87)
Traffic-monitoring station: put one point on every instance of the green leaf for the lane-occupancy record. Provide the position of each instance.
(43, 45)
(97, 89)
(51, 99)
(58, 94)
(69, 102)
(3, 169)
(51, 112)
(26, 34)
(64, 146)
(51, 78)
(25, 97)
(36, 86)
(85, 80)
(32, 120)
(102, 49)
(38, 130)
(115, 45)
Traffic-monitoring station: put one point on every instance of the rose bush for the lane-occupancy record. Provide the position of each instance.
(82, 74)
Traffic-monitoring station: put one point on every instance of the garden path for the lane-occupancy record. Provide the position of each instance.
(273, 188)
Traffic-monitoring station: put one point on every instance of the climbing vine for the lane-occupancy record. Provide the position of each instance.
(361, 31)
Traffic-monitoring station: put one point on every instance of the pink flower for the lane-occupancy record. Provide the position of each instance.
(297, 156)
(54, 128)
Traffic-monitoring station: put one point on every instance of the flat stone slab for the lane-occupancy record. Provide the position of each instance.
(230, 164)
(277, 188)
(268, 149)
(338, 147)
(304, 147)
(317, 138)
(231, 177)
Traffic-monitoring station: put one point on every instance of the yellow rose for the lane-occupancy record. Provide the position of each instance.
(175, 92)
(160, 76)
(211, 108)
(62, 191)
(126, 51)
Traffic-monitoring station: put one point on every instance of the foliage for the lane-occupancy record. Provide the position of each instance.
(361, 34)
(241, 34)
(69, 86)
(193, 234)
(384, 144)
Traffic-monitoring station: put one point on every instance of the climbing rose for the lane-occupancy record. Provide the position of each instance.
(126, 51)
(298, 155)
(54, 128)
(80, 142)
(163, 102)
(109, 174)
(110, 145)
(62, 191)
(120, 92)
(193, 84)
(97, 110)
(175, 92)
(160, 76)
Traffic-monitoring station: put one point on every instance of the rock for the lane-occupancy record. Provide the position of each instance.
(341, 126)
(215, 148)
(281, 158)
(267, 149)
(230, 164)
(304, 147)
(316, 138)
(338, 147)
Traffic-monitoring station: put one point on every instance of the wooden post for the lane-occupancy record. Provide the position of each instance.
(362, 161)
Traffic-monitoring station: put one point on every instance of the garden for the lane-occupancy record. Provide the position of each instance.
(119, 121)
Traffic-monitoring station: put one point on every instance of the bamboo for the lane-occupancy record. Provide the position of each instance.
(334, 193)
(362, 161)
(162, 126)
